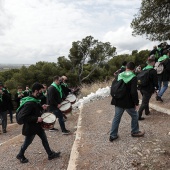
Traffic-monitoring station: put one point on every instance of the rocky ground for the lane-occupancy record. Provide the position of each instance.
(11, 141)
(146, 153)
(93, 149)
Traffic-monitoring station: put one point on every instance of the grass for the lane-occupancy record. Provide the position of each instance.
(88, 88)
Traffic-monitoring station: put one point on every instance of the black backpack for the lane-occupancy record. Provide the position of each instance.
(143, 78)
(118, 89)
(19, 116)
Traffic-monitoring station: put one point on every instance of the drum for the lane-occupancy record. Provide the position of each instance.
(48, 120)
(66, 107)
(72, 98)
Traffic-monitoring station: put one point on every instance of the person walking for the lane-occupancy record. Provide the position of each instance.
(4, 100)
(163, 78)
(54, 99)
(150, 88)
(129, 102)
(31, 117)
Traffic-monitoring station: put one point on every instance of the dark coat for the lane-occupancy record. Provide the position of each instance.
(53, 98)
(17, 99)
(131, 97)
(153, 82)
(43, 98)
(4, 104)
(65, 90)
(31, 112)
(165, 76)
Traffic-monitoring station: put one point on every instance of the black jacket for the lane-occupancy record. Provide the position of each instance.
(65, 91)
(43, 98)
(4, 104)
(31, 112)
(131, 97)
(53, 98)
(153, 82)
(165, 76)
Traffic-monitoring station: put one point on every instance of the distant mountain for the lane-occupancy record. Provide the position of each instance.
(12, 66)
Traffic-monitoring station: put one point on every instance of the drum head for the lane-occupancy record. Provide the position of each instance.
(65, 105)
(71, 97)
(48, 117)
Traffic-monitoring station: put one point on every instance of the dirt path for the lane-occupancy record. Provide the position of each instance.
(36, 153)
(93, 150)
(147, 153)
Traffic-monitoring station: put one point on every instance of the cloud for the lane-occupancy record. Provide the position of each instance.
(43, 30)
(123, 40)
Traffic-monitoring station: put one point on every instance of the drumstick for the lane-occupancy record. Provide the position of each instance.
(65, 103)
(46, 116)
(68, 96)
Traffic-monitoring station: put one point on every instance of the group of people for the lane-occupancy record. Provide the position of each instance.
(157, 83)
(34, 102)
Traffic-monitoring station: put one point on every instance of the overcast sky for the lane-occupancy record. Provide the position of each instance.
(43, 30)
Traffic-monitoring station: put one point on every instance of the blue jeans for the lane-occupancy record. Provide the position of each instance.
(163, 88)
(29, 139)
(59, 115)
(116, 121)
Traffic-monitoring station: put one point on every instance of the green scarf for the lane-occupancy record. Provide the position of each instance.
(164, 57)
(148, 67)
(126, 76)
(123, 67)
(58, 87)
(28, 99)
(65, 84)
(21, 92)
(44, 93)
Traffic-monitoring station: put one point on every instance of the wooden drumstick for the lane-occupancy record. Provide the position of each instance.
(65, 103)
(46, 116)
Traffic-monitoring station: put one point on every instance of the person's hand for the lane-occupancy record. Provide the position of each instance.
(156, 91)
(40, 119)
(136, 108)
(44, 106)
(59, 105)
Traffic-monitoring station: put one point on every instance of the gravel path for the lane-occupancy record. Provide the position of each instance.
(36, 153)
(93, 149)
(126, 153)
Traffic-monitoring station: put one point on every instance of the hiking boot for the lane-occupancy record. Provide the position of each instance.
(158, 98)
(147, 113)
(54, 155)
(66, 132)
(4, 131)
(111, 139)
(53, 130)
(141, 118)
(22, 158)
(138, 134)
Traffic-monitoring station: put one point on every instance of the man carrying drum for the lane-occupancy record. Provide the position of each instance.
(54, 99)
(32, 120)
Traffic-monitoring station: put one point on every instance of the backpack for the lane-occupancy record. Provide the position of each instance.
(19, 116)
(143, 78)
(159, 67)
(118, 89)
